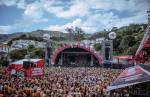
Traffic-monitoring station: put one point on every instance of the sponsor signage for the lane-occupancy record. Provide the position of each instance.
(37, 71)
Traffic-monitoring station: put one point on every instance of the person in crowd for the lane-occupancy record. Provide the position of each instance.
(59, 82)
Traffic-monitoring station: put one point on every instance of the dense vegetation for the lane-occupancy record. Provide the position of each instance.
(30, 51)
(18, 54)
(128, 38)
(97, 47)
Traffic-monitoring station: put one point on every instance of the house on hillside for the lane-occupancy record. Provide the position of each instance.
(23, 44)
(4, 50)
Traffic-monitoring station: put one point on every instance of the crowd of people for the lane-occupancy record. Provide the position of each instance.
(59, 82)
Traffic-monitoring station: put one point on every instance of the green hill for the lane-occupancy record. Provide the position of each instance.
(128, 38)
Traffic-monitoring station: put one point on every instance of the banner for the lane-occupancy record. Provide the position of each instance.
(37, 72)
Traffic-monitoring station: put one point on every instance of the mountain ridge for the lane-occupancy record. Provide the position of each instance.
(36, 33)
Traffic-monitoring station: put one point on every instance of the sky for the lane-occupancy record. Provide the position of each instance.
(57, 15)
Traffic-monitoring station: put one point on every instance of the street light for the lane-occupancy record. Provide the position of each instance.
(112, 35)
(48, 49)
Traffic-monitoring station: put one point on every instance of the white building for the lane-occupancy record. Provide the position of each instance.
(99, 40)
(92, 42)
(26, 43)
(4, 48)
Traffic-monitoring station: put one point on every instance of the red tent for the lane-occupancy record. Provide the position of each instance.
(37, 70)
(131, 76)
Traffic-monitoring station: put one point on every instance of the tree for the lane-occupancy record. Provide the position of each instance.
(79, 33)
(116, 42)
(38, 53)
(18, 54)
(23, 36)
(97, 47)
(132, 50)
(30, 48)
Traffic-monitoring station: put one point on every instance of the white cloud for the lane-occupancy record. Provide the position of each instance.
(79, 9)
(51, 6)
(118, 5)
(34, 13)
(101, 21)
(75, 23)
(83, 8)
(93, 20)
(19, 3)
(5, 29)
(139, 18)
(99, 4)
(75, 9)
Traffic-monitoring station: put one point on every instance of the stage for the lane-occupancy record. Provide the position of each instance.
(76, 56)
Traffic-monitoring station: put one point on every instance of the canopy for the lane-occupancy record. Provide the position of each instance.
(131, 76)
(20, 62)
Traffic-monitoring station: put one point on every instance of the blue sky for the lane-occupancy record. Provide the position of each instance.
(57, 15)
